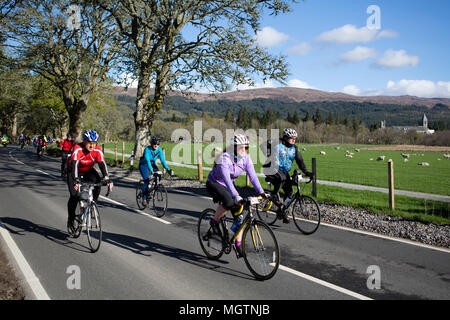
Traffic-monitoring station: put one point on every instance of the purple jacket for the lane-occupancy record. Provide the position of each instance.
(226, 171)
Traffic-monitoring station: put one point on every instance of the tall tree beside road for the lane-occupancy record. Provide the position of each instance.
(72, 44)
(218, 48)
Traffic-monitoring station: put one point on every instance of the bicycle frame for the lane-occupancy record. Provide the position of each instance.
(295, 181)
(248, 219)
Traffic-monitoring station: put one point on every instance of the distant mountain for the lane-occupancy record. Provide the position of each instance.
(396, 111)
(287, 94)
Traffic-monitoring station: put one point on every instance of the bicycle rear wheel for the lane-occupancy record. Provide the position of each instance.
(139, 201)
(160, 200)
(266, 210)
(261, 252)
(306, 214)
(212, 244)
(94, 228)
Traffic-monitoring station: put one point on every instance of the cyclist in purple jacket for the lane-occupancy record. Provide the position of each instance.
(220, 183)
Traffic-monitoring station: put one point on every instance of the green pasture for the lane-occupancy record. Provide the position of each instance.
(363, 168)
(334, 166)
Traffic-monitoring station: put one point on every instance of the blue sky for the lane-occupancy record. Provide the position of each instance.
(329, 47)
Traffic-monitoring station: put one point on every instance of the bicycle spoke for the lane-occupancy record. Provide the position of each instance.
(212, 244)
(94, 228)
(160, 200)
(306, 214)
(261, 250)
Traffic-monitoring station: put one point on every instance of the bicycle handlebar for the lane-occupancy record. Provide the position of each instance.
(90, 184)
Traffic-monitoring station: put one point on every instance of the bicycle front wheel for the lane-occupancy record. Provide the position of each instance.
(261, 252)
(94, 228)
(139, 201)
(306, 214)
(160, 200)
(211, 243)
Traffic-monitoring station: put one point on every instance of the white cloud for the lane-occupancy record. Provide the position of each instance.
(300, 49)
(352, 89)
(397, 59)
(296, 83)
(269, 37)
(358, 54)
(351, 34)
(419, 88)
(127, 78)
(265, 84)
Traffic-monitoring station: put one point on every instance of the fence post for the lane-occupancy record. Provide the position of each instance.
(103, 148)
(314, 183)
(391, 184)
(123, 152)
(247, 179)
(132, 160)
(115, 151)
(199, 165)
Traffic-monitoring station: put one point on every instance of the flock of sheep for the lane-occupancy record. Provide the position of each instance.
(405, 156)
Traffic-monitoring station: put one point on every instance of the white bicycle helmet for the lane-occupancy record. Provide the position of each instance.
(290, 133)
(239, 139)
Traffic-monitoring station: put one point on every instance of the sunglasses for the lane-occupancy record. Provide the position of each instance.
(91, 144)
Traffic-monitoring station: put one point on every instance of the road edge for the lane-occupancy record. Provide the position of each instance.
(28, 281)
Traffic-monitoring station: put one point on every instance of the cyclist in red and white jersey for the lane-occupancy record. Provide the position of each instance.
(66, 146)
(81, 168)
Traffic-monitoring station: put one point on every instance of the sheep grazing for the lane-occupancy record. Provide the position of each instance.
(447, 156)
(405, 160)
(426, 164)
(349, 156)
(357, 150)
(381, 158)
(405, 155)
(322, 153)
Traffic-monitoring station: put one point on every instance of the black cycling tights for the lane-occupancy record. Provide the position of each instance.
(89, 176)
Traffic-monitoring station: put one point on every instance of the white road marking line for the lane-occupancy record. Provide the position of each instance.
(135, 210)
(324, 283)
(30, 277)
(48, 174)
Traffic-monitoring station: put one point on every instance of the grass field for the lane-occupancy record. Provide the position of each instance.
(363, 168)
(334, 166)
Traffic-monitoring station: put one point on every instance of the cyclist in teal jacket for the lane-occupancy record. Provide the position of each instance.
(147, 163)
(283, 155)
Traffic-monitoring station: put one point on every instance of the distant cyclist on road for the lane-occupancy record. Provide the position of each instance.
(41, 145)
(66, 146)
(147, 163)
(283, 156)
(221, 181)
(81, 168)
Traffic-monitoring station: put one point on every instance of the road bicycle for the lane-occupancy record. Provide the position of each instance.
(64, 168)
(87, 216)
(259, 245)
(156, 195)
(304, 210)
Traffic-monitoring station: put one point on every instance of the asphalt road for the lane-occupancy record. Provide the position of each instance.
(146, 258)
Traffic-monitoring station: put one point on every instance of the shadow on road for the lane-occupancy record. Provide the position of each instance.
(147, 248)
(21, 227)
